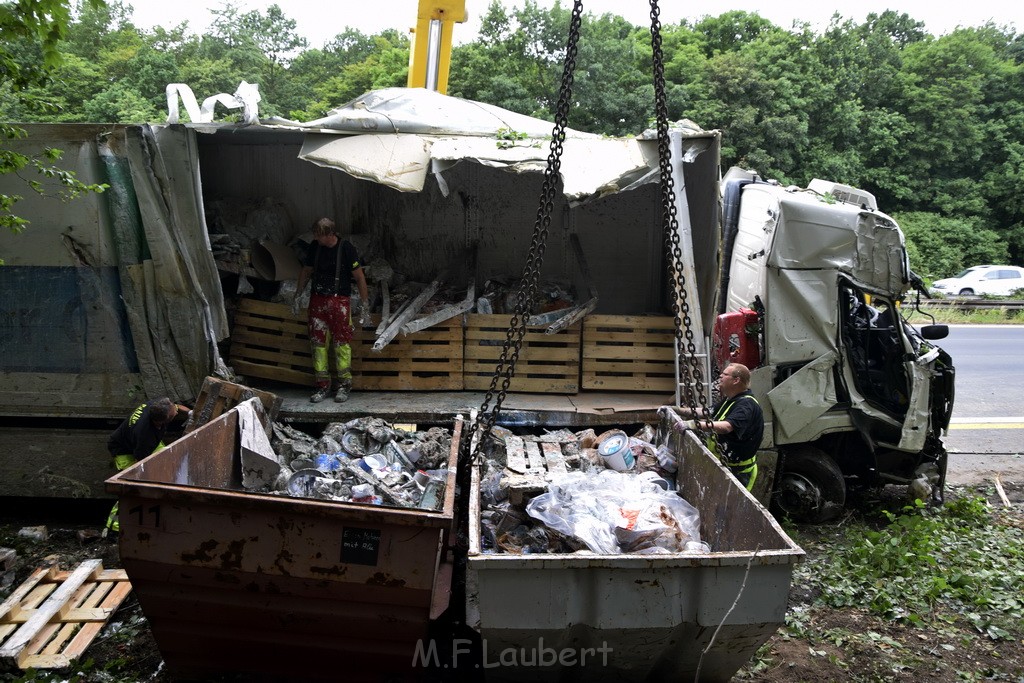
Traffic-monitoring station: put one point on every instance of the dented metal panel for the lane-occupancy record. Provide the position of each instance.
(803, 397)
(640, 617)
(222, 574)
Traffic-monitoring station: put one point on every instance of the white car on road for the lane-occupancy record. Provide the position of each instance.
(998, 280)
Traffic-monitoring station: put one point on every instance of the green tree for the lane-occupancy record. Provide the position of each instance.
(275, 37)
(516, 62)
(941, 246)
(386, 66)
(43, 23)
(757, 94)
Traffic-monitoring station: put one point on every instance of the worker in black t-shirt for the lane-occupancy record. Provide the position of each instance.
(736, 420)
(331, 264)
(141, 434)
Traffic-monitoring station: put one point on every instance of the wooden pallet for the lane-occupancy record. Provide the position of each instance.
(219, 396)
(548, 363)
(51, 618)
(427, 360)
(270, 342)
(531, 459)
(628, 353)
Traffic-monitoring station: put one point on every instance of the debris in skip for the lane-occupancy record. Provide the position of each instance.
(365, 460)
(564, 492)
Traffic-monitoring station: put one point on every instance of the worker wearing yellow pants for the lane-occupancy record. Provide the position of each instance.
(330, 266)
(122, 462)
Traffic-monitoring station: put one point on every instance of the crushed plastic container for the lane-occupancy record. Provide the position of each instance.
(273, 587)
(630, 617)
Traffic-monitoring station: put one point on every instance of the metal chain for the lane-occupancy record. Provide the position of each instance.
(527, 290)
(694, 372)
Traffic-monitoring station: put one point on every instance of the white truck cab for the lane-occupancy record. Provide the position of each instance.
(852, 394)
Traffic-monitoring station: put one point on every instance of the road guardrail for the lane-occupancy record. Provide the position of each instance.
(973, 304)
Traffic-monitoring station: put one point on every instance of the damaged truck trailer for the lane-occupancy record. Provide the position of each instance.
(112, 298)
(181, 271)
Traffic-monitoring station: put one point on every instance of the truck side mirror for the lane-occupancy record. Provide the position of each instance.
(935, 331)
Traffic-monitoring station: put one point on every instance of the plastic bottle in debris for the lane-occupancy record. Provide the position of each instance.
(363, 493)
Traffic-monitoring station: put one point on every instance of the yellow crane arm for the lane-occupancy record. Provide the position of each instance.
(430, 54)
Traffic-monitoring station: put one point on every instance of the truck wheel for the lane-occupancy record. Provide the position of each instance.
(810, 488)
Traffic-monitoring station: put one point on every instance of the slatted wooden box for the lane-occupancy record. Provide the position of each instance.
(628, 353)
(548, 363)
(270, 342)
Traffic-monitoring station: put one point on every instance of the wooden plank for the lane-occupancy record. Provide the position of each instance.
(516, 455)
(547, 363)
(630, 383)
(553, 458)
(611, 336)
(85, 600)
(11, 606)
(62, 641)
(653, 354)
(217, 396)
(111, 602)
(533, 456)
(13, 646)
(275, 373)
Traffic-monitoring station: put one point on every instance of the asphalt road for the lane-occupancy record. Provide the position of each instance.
(986, 436)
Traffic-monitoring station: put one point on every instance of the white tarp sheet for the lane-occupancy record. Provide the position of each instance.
(397, 136)
(402, 161)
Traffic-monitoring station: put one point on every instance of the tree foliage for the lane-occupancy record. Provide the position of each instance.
(933, 125)
(30, 29)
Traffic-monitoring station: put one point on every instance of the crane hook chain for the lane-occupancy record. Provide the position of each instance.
(691, 370)
(527, 289)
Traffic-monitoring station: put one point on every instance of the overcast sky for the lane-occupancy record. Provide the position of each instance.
(318, 22)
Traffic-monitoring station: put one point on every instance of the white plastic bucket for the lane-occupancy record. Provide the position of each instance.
(614, 449)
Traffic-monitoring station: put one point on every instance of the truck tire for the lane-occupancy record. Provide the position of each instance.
(810, 488)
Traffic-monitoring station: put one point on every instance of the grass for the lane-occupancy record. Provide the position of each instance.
(954, 316)
(956, 557)
(893, 589)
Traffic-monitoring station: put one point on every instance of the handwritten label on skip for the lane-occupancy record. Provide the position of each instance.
(360, 546)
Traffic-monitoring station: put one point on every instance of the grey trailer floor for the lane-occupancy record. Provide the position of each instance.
(590, 409)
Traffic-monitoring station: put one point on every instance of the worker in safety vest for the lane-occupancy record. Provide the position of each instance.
(138, 436)
(736, 419)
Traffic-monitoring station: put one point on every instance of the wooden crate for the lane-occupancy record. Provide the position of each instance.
(270, 342)
(548, 363)
(427, 360)
(628, 353)
(50, 620)
(219, 396)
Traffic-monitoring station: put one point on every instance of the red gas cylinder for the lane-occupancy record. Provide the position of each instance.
(735, 339)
